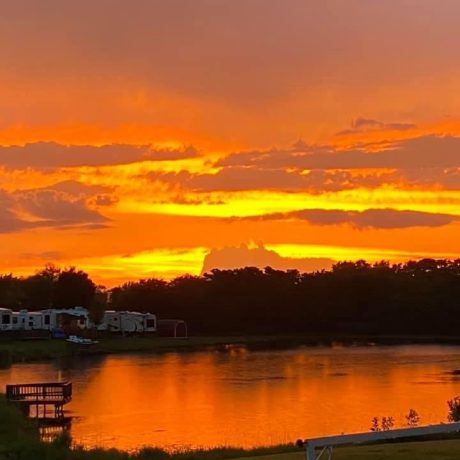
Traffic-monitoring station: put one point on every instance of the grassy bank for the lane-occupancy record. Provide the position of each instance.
(427, 450)
(17, 351)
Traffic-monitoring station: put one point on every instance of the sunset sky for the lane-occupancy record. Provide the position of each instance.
(139, 138)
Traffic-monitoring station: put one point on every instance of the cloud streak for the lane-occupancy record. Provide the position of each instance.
(386, 219)
(422, 162)
(421, 152)
(362, 125)
(42, 155)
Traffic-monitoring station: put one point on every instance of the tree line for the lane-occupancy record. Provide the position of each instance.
(418, 297)
(51, 288)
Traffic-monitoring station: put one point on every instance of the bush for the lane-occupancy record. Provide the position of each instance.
(412, 418)
(454, 409)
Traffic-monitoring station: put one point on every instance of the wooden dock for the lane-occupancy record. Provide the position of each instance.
(41, 397)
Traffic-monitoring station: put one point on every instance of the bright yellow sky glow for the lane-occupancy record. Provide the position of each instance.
(163, 264)
(347, 253)
(259, 203)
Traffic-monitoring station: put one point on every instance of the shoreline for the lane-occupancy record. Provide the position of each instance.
(45, 350)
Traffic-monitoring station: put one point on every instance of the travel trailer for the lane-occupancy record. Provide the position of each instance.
(110, 321)
(73, 320)
(128, 322)
(66, 318)
(18, 320)
(30, 320)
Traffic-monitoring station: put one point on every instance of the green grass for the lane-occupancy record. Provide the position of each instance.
(16, 351)
(426, 450)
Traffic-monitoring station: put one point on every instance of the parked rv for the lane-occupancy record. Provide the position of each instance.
(73, 320)
(128, 322)
(18, 320)
(66, 318)
(30, 320)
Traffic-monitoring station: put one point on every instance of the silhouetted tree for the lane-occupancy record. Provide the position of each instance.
(11, 292)
(39, 289)
(73, 288)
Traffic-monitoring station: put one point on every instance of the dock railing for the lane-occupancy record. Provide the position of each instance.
(59, 392)
(327, 443)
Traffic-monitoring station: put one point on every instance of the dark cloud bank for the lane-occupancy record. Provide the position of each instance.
(44, 155)
(370, 218)
(430, 161)
(64, 205)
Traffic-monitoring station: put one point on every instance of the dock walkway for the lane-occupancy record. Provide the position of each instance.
(40, 396)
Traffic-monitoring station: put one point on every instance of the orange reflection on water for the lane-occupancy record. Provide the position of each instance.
(242, 398)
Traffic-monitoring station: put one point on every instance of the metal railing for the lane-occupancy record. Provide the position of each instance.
(327, 444)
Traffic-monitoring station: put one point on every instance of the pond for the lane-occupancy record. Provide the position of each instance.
(244, 398)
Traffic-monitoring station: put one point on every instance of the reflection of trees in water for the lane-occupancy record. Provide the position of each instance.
(79, 363)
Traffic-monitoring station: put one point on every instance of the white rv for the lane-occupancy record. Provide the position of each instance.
(127, 321)
(32, 320)
(49, 319)
(24, 320)
(122, 321)
(110, 321)
(18, 320)
(132, 321)
(77, 318)
(6, 319)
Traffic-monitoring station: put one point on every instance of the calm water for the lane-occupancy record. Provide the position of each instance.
(248, 398)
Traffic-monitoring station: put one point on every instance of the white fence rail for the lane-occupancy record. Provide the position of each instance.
(327, 443)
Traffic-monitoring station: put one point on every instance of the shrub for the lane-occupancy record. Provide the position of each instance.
(454, 409)
(386, 424)
(412, 418)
